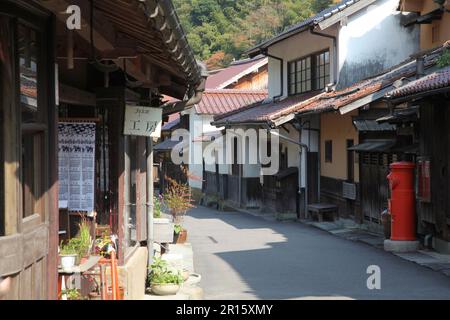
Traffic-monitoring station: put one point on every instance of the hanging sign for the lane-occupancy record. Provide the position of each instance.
(143, 121)
(76, 166)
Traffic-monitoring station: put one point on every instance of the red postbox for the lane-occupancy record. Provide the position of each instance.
(402, 202)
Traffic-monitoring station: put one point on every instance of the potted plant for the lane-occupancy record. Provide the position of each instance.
(178, 199)
(68, 254)
(162, 281)
(180, 234)
(84, 240)
(72, 294)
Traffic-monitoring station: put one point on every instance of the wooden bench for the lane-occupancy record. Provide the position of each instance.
(321, 209)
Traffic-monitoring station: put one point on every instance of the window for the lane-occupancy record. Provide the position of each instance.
(435, 36)
(309, 73)
(350, 161)
(329, 151)
(322, 75)
(235, 164)
(33, 129)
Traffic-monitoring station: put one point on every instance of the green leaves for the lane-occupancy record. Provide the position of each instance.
(160, 274)
(444, 59)
(226, 28)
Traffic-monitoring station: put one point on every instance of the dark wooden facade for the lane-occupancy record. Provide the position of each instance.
(29, 182)
(434, 215)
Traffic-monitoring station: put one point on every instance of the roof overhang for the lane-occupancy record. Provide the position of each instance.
(142, 36)
(322, 21)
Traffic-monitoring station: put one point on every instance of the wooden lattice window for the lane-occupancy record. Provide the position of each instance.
(309, 73)
(329, 151)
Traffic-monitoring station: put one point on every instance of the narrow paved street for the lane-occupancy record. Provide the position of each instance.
(244, 257)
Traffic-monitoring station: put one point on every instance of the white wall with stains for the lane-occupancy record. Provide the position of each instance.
(373, 40)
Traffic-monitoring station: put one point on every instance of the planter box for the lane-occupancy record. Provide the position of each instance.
(163, 231)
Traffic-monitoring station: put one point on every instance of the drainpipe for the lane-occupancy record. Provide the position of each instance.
(195, 99)
(266, 53)
(150, 204)
(335, 57)
(305, 148)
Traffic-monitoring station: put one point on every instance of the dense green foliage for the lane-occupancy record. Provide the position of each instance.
(220, 30)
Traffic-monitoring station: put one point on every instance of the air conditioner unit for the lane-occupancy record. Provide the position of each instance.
(349, 191)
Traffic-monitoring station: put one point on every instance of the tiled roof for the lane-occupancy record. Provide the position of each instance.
(263, 112)
(216, 102)
(303, 25)
(174, 120)
(437, 80)
(234, 72)
(325, 101)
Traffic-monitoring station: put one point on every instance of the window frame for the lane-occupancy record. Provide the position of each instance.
(314, 75)
(328, 151)
(37, 129)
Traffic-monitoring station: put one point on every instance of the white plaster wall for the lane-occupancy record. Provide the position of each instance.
(195, 149)
(372, 40)
(293, 48)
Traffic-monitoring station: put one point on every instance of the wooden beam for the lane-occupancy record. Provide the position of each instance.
(75, 96)
(104, 35)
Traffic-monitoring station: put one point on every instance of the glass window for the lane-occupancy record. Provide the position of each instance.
(32, 164)
(322, 70)
(28, 47)
(309, 73)
(329, 151)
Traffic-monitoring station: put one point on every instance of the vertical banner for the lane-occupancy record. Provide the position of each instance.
(77, 166)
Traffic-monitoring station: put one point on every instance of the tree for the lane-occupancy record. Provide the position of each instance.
(220, 30)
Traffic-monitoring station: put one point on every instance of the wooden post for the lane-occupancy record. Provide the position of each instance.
(141, 191)
(70, 49)
(126, 193)
(150, 194)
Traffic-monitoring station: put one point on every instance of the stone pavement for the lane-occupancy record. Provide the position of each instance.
(349, 230)
(241, 256)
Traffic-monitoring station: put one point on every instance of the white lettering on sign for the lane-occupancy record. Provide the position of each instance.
(143, 121)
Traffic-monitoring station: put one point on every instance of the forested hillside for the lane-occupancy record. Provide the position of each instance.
(220, 30)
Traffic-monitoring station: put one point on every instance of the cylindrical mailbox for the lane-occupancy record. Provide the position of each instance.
(402, 202)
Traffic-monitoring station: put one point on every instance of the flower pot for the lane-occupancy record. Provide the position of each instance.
(68, 261)
(163, 231)
(186, 273)
(181, 238)
(167, 289)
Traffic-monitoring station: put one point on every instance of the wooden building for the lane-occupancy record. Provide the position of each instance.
(124, 53)
(424, 104)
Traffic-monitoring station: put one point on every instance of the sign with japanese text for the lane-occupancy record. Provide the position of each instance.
(143, 121)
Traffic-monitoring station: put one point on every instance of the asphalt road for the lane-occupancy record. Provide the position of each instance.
(244, 257)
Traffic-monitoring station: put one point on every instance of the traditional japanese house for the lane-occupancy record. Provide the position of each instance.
(423, 104)
(73, 81)
(316, 67)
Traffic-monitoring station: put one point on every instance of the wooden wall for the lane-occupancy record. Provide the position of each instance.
(28, 249)
(435, 143)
